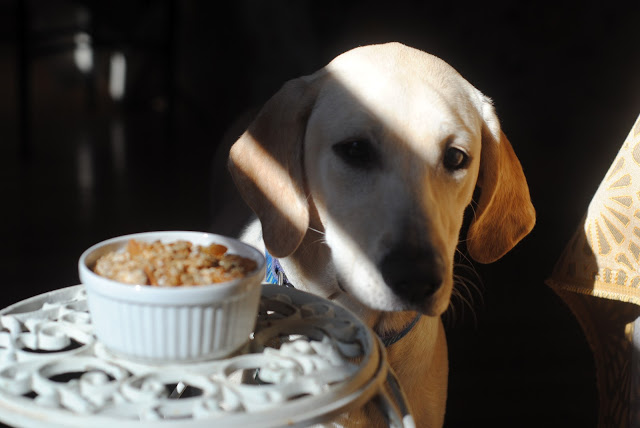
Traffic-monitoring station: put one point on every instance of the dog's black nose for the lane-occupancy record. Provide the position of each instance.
(413, 274)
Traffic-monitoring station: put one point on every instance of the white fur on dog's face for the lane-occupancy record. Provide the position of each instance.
(374, 150)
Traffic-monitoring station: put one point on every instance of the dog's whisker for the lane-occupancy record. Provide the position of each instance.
(321, 232)
(457, 306)
(468, 288)
(470, 284)
(320, 241)
(465, 303)
(463, 255)
(451, 313)
(465, 268)
(465, 290)
(308, 249)
(465, 264)
(472, 206)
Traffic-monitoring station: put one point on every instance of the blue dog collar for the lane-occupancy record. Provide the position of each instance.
(394, 336)
(275, 273)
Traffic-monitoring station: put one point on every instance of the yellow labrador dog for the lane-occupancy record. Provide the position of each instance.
(360, 174)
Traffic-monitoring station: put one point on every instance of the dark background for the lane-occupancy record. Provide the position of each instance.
(77, 167)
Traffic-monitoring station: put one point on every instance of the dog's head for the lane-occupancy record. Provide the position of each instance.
(381, 151)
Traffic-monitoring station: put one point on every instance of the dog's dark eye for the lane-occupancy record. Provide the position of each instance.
(357, 153)
(455, 159)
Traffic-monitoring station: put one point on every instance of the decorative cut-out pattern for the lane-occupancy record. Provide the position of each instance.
(307, 357)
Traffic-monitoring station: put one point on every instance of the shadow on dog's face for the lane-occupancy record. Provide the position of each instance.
(391, 174)
(386, 145)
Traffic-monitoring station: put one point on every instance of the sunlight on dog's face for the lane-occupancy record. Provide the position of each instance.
(392, 163)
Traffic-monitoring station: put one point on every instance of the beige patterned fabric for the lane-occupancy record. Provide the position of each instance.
(598, 276)
(602, 259)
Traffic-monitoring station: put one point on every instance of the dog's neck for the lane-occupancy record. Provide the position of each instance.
(310, 269)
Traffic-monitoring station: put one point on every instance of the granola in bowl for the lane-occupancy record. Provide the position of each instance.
(179, 263)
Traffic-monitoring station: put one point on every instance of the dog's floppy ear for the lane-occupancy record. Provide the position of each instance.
(266, 166)
(504, 214)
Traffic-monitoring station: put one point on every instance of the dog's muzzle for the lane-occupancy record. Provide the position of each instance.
(414, 274)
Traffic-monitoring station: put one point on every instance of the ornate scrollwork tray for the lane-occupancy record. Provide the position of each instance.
(308, 361)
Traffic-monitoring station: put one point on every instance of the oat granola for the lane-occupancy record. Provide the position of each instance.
(178, 263)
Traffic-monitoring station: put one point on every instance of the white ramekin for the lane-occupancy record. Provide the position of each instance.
(172, 324)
